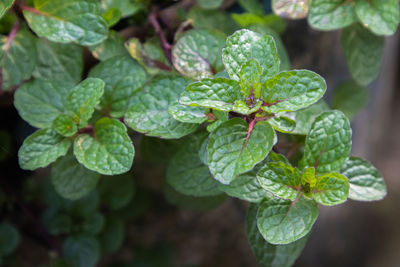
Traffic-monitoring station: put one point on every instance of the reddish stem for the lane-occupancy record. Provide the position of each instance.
(164, 43)
(11, 36)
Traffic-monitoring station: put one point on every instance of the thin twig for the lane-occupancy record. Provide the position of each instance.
(164, 43)
(11, 36)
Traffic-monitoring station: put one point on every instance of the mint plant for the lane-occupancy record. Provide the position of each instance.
(218, 105)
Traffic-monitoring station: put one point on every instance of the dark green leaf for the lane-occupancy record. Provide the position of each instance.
(127, 7)
(81, 250)
(9, 239)
(117, 191)
(113, 234)
(252, 6)
(331, 15)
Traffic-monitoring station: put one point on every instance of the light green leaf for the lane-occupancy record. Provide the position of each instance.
(17, 58)
(57, 61)
(197, 53)
(39, 102)
(113, 235)
(110, 153)
(250, 79)
(123, 77)
(111, 47)
(209, 4)
(292, 90)
(244, 45)
(252, 6)
(77, 21)
(187, 174)
(188, 114)
(280, 179)
(291, 9)
(149, 109)
(363, 52)
(366, 183)
(331, 15)
(282, 124)
(4, 6)
(232, 152)
(269, 255)
(380, 16)
(64, 125)
(83, 99)
(283, 221)
(82, 250)
(217, 93)
(328, 142)
(111, 16)
(117, 191)
(331, 189)
(42, 148)
(9, 239)
(70, 179)
(350, 98)
(127, 7)
(308, 182)
(246, 109)
(270, 22)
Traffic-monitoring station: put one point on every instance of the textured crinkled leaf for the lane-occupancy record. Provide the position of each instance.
(123, 77)
(250, 79)
(117, 191)
(56, 61)
(217, 93)
(187, 174)
(149, 109)
(231, 153)
(113, 234)
(269, 255)
(110, 153)
(83, 99)
(291, 9)
(331, 14)
(17, 58)
(82, 250)
(244, 45)
(305, 117)
(9, 239)
(380, 16)
(39, 102)
(76, 21)
(188, 114)
(283, 221)
(308, 182)
(292, 90)
(242, 107)
(212, 19)
(328, 142)
(282, 124)
(363, 52)
(350, 98)
(70, 179)
(42, 148)
(331, 189)
(197, 53)
(111, 47)
(280, 179)
(4, 6)
(127, 7)
(64, 125)
(366, 183)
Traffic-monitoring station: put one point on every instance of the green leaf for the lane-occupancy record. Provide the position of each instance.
(113, 235)
(110, 153)
(252, 6)
(57, 61)
(39, 102)
(217, 93)
(291, 9)
(350, 98)
(380, 16)
(292, 90)
(18, 58)
(156, 150)
(212, 19)
(283, 221)
(83, 99)
(117, 191)
(267, 254)
(77, 21)
(282, 124)
(363, 52)
(269, 22)
(197, 53)
(187, 174)
(280, 179)
(331, 189)
(308, 182)
(366, 183)
(244, 45)
(4, 6)
(111, 47)
(111, 16)
(82, 250)
(250, 79)
(93, 223)
(57, 222)
(149, 109)
(64, 125)
(331, 15)
(70, 179)
(123, 77)
(328, 142)
(209, 4)
(126, 7)
(9, 239)
(188, 114)
(232, 152)
(42, 148)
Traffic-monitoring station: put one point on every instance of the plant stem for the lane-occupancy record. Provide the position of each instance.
(164, 43)
(11, 36)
